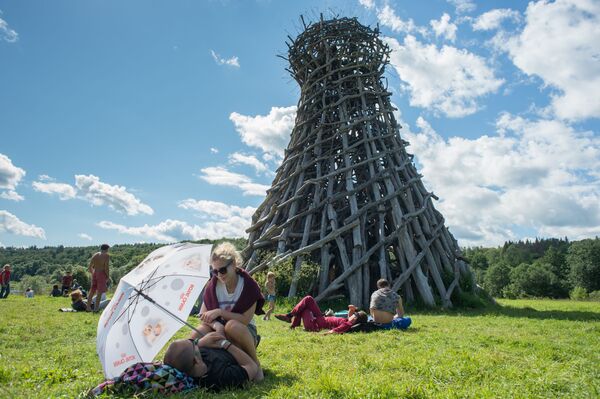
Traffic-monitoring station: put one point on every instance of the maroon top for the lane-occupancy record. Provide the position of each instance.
(5, 277)
(67, 281)
(250, 294)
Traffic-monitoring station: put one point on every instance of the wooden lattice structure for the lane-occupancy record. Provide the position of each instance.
(347, 195)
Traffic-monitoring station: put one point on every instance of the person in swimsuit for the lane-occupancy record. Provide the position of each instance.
(99, 270)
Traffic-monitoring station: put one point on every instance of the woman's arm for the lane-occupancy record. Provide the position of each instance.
(241, 317)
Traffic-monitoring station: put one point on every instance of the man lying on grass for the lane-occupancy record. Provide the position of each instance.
(309, 313)
(213, 361)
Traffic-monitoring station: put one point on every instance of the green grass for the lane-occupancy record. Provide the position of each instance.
(521, 349)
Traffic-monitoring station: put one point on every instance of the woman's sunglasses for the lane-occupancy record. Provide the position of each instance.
(221, 270)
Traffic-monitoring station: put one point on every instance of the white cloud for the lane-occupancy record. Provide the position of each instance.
(214, 150)
(220, 176)
(45, 178)
(177, 230)
(387, 17)
(270, 133)
(367, 3)
(84, 236)
(541, 175)
(492, 19)
(560, 44)
(444, 27)
(13, 225)
(11, 196)
(233, 61)
(448, 80)
(63, 190)
(10, 176)
(250, 160)
(116, 197)
(217, 209)
(7, 34)
(463, 6)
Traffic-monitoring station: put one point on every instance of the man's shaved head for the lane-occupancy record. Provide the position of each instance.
(180, 355)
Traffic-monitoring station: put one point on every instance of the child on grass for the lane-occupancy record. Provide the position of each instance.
(270, 297)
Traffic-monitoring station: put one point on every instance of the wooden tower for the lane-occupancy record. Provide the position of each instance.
(347, 195)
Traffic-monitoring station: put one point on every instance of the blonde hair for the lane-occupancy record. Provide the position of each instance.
(76, 295)
(270, 274)
(227, 252)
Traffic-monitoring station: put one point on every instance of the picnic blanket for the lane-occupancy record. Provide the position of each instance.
(156, 377)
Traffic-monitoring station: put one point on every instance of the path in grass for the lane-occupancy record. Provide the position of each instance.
(525, 348)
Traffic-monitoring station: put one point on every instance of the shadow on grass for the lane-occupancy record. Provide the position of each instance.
(526, 312)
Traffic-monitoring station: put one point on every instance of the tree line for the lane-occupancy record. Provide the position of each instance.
(553, 268)
(40, 268)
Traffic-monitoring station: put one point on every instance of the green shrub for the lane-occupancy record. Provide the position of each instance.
(536, 280)
(307, 279)
(496, 278)
(578, 294)
(36, 283)
(594, 295)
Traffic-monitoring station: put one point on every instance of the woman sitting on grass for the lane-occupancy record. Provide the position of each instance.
(308, 312)
(231, 298)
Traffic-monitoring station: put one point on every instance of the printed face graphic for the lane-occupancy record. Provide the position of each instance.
(152, 330)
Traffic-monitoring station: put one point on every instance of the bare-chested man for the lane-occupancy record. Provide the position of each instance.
(99, 270)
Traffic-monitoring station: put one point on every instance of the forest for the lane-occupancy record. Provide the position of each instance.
(548, 267)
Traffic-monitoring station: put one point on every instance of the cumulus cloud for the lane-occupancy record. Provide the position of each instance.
(233, 61)
(217, 209)
(6, 33)
(214, 150)
(177, 230)
(116, 197)
(367, 3)
(11, 196)
(84, 236)
(559, 43)
(538, 174)
(444, 27)
(493, 19)
(63, 190)
(11, 224)
(269, 133)
(250, 160)
(447, 80)
(220, 176)
(463, 6)
(10, 177)
(387, 17)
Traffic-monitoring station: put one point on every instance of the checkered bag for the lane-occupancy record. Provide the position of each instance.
(156, 377)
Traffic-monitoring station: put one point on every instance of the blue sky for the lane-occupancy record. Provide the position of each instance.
(161, 121)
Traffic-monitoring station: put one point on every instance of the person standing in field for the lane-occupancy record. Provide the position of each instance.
(270, 298)
(99, 271)
(5, 281)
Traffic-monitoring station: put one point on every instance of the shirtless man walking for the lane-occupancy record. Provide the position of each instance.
(99, 270)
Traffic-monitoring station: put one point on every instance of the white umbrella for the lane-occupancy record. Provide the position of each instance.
(150, 305)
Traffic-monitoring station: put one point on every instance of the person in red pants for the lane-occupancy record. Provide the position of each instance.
(307, 311)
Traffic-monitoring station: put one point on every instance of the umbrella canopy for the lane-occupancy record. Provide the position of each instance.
(150, 305)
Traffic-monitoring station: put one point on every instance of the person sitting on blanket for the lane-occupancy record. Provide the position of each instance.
(308, 312)
(213, 361)
(386, 307)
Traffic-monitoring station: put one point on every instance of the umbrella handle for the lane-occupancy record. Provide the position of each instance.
(169, 312)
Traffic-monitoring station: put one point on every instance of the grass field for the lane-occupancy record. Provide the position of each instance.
(521, 349)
